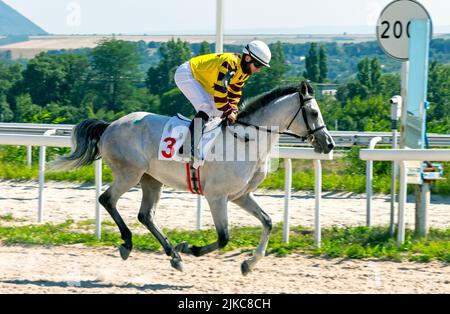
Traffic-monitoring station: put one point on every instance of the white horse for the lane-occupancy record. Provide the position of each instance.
(131, 150)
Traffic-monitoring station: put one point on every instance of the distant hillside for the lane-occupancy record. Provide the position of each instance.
(14, 23)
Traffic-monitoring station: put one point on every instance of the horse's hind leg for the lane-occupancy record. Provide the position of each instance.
(248, 203)
(151, 192)
(219, 213)
(124, 180)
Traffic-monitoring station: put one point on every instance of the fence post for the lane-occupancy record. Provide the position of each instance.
(318, 197)
(98, 190)
(42, 151)
(369, 179)
(287, 197)
(401, 203)
(29, 155)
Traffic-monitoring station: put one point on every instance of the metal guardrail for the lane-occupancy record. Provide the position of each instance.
(35, 129)
(350, 138)
(342, 138)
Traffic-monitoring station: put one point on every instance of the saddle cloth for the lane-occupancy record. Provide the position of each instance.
(175, 135)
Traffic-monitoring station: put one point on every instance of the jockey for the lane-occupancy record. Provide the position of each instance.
(213, 82)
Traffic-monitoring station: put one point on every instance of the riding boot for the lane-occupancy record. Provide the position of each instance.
(196, 130)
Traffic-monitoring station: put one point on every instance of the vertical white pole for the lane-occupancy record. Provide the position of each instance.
(29, 155)
(393, 179)
(98, 190)
(401, 204)
(42, 151)
(219, 25)
(404, 94)
(422, 200)
(199, 212)
(318, 196)
(369, 179)
(287, 197)
(41, 183)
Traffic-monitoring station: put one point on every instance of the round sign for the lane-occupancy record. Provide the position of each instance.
(393, 27)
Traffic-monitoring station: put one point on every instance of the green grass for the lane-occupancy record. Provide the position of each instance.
(351, 242)
(17, 171)
(7, 217)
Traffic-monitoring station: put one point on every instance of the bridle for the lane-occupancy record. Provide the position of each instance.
(302, 109)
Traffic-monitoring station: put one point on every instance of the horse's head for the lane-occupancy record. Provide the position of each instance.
(309, 123)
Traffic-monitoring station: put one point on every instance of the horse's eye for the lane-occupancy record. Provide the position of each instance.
(315, 114)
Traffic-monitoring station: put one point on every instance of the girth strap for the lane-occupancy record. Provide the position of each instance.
(193, 179)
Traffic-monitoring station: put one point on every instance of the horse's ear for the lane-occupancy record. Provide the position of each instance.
(304, 88)
(310, 88)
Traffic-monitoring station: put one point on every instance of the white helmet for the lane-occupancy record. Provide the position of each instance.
(259, 51)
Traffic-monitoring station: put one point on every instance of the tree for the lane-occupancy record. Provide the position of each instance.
(42, 79)
(116, 72)
(173, 102)
(204, 48)
(312, 64)
(375, 76)
(25, 109)
(363, 75)
(323, 65)
(438, 115)
(9, 76)
(173, 54)
(6, 114)
(77, 79)
(55, 78)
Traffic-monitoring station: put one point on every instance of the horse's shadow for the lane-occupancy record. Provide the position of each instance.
(90, 284)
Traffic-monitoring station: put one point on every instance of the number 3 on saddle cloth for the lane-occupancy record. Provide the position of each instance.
(176, 135)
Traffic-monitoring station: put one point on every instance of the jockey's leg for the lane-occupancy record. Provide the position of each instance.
(200, 99)
(196, 130)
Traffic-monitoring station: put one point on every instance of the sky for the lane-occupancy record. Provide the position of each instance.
(198, 16)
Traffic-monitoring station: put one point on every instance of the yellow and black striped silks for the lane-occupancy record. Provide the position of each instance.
(221, 75)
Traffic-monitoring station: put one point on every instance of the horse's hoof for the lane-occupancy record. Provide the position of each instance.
(183, 247)
(177, 264)
(124, 252)
(245, 268)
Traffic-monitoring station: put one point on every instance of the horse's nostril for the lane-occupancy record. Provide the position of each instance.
(330, 146)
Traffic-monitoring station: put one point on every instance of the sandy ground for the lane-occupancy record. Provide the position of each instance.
(65, 200)
(70, 269)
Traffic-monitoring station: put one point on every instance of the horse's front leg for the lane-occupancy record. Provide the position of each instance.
(218, 207)
(248, 203)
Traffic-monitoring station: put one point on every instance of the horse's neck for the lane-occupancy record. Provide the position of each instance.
(275, 116)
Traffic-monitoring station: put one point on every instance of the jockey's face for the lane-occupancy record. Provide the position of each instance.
(251, 65)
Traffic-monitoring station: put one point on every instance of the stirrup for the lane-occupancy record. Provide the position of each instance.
(197, 163)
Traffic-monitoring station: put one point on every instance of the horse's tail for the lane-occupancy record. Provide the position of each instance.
(85, 137)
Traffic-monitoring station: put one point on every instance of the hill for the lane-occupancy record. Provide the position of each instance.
(14, 23)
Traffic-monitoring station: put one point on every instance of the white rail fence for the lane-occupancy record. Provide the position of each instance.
(403, 155)
(50, 137)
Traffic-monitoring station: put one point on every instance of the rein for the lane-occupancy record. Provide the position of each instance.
(305, 118)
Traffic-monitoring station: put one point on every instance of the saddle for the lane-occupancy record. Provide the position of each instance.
(175, 140)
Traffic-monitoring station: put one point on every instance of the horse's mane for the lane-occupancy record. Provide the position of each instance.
(251, 105)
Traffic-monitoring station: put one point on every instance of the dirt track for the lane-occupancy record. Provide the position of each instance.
(77, 269)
